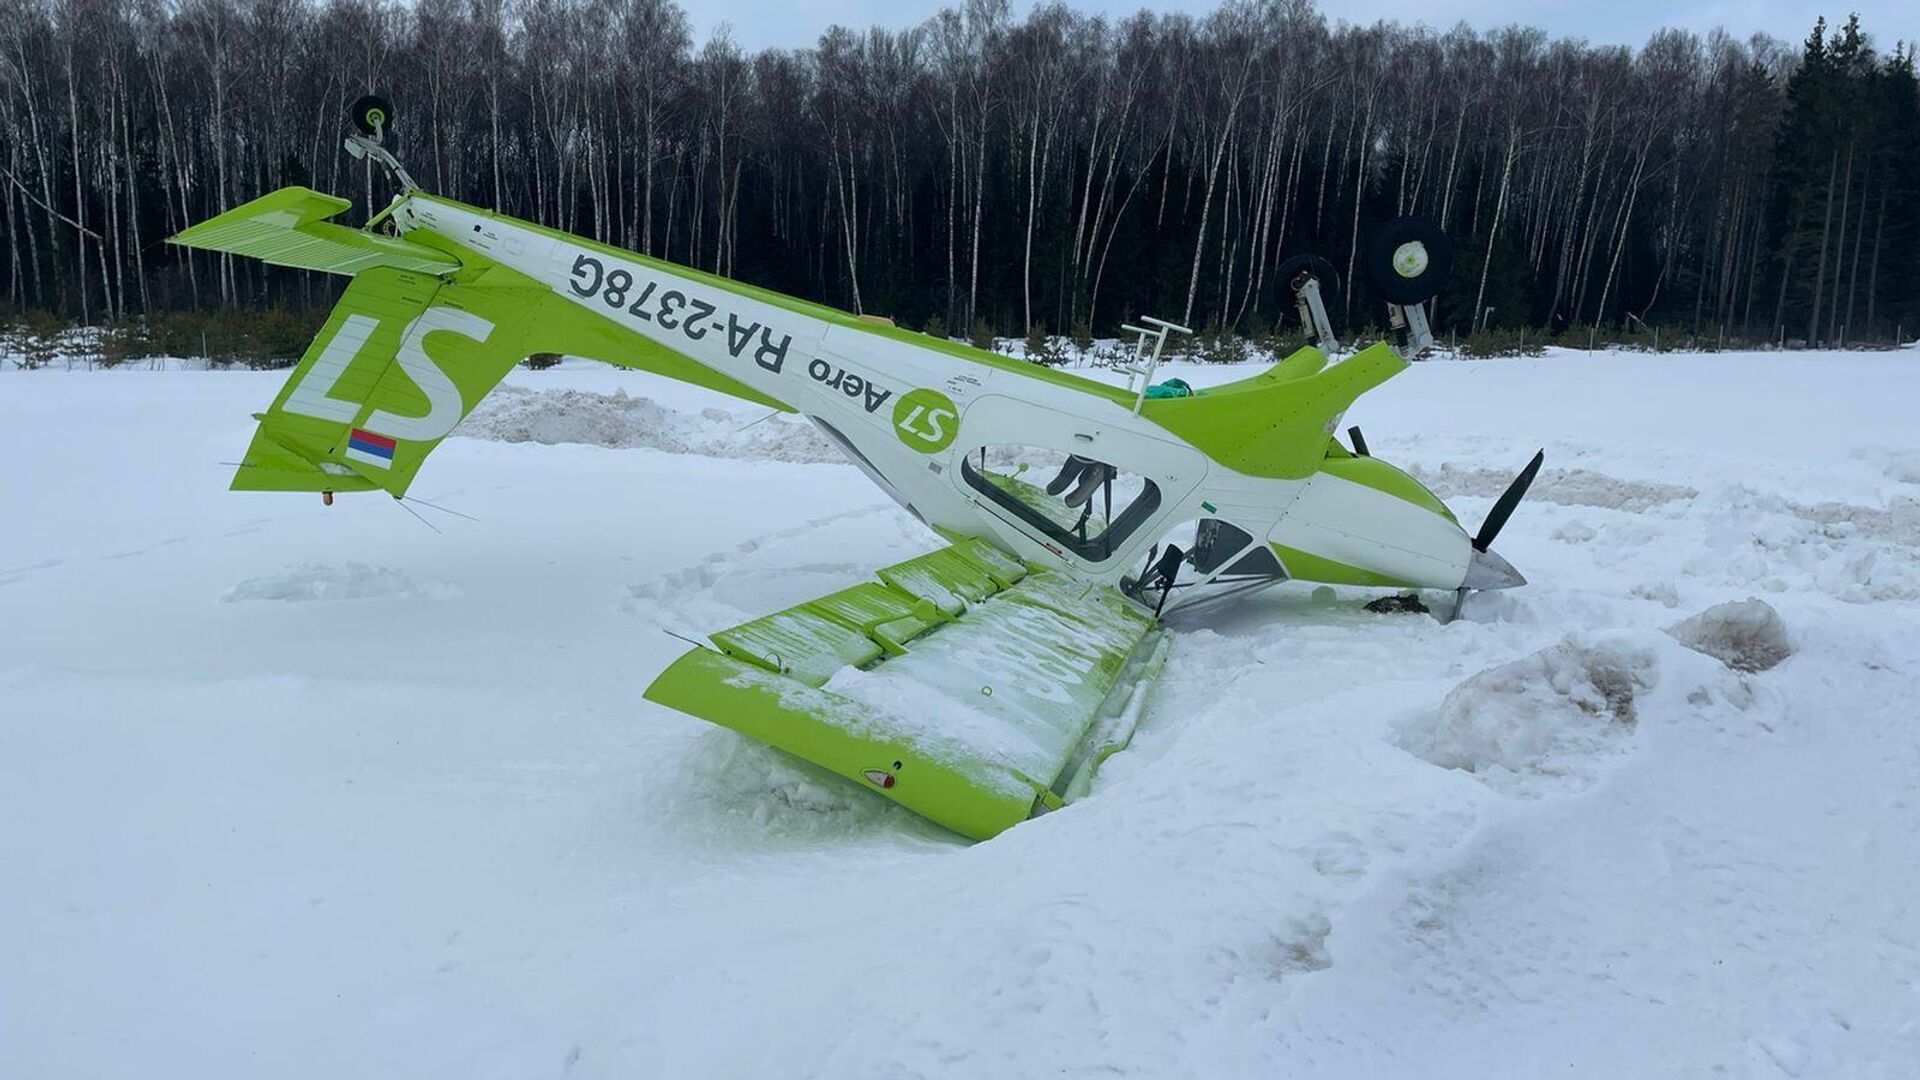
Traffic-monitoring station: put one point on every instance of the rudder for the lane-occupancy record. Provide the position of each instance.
(401, 360)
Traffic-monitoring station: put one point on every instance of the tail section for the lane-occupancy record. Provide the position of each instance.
(404, 357)
(427, 328)
(400, 362)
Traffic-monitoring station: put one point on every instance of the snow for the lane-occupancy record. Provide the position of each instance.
(518, 414)
(1541, 712)
(1746, 635)
(311, 792)
(353, 581)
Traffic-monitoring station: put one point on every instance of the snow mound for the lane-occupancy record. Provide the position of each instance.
(352, 581)
(516, 414)
(733, 793)
(1899, 465)
(1898, 522)
(1541, 712)
(1564, 487)
(1664, 593)
(1746, 635)
(1576, 532)
(1763, 541)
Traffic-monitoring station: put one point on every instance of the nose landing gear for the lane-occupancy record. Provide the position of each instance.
(372, 119)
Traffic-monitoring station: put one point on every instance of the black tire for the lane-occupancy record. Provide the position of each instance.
(1394, 281)
(372, 116)
(1320, 268)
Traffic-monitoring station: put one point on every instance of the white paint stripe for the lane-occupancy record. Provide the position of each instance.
(311, 396)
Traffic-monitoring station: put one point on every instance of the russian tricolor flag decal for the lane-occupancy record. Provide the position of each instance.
(370, 448)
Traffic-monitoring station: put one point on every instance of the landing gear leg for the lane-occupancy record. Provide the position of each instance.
(1165, 572)
(372, 118)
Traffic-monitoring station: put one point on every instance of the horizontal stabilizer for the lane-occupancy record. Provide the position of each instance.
(964, 688)
(289, 227)
(1279, 423)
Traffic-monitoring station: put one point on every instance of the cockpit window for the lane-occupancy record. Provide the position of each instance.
(1082, 503)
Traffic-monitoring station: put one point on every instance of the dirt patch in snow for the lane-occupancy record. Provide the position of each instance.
(1746, 635)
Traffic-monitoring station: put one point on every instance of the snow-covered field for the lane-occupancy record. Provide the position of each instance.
(288, 791)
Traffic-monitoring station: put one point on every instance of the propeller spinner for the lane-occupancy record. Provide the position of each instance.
(1486, 570)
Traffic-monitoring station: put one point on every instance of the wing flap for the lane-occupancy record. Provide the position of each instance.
(289, 227)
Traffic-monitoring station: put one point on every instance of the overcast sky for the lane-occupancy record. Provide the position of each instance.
(759, 24)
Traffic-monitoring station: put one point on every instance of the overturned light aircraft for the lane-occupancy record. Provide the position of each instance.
(977, 684)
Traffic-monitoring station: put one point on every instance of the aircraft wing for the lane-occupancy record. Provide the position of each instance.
(962, 686)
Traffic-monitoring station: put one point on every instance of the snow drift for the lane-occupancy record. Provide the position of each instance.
(617, 420)
(1543, 711)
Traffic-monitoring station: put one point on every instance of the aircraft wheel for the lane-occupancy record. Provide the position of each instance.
(372, 116)
(1321, 269)
(1408, 260)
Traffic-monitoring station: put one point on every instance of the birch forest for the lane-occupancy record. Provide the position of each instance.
(992, 172)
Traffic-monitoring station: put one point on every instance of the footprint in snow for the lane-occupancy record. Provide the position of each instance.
(351, 581)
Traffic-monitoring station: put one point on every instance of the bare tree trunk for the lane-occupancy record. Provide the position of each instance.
(1834, 329)
(1820, 272)
(1620, 236)
(1499, 211)
(79, 197)
(1873, 262)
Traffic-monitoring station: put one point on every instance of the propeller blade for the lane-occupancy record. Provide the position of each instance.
(1359, 441)
(1510, 498)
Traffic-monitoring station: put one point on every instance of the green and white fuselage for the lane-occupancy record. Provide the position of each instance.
(976, 684)
(910, 409)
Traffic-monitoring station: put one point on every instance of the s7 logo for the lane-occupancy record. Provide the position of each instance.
(926, 420)
(313, 396)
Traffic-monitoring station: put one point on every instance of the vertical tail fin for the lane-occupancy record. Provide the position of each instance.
(402, 359)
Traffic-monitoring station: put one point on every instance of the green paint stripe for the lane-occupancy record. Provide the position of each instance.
(1380, 476)
(1306, 566)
